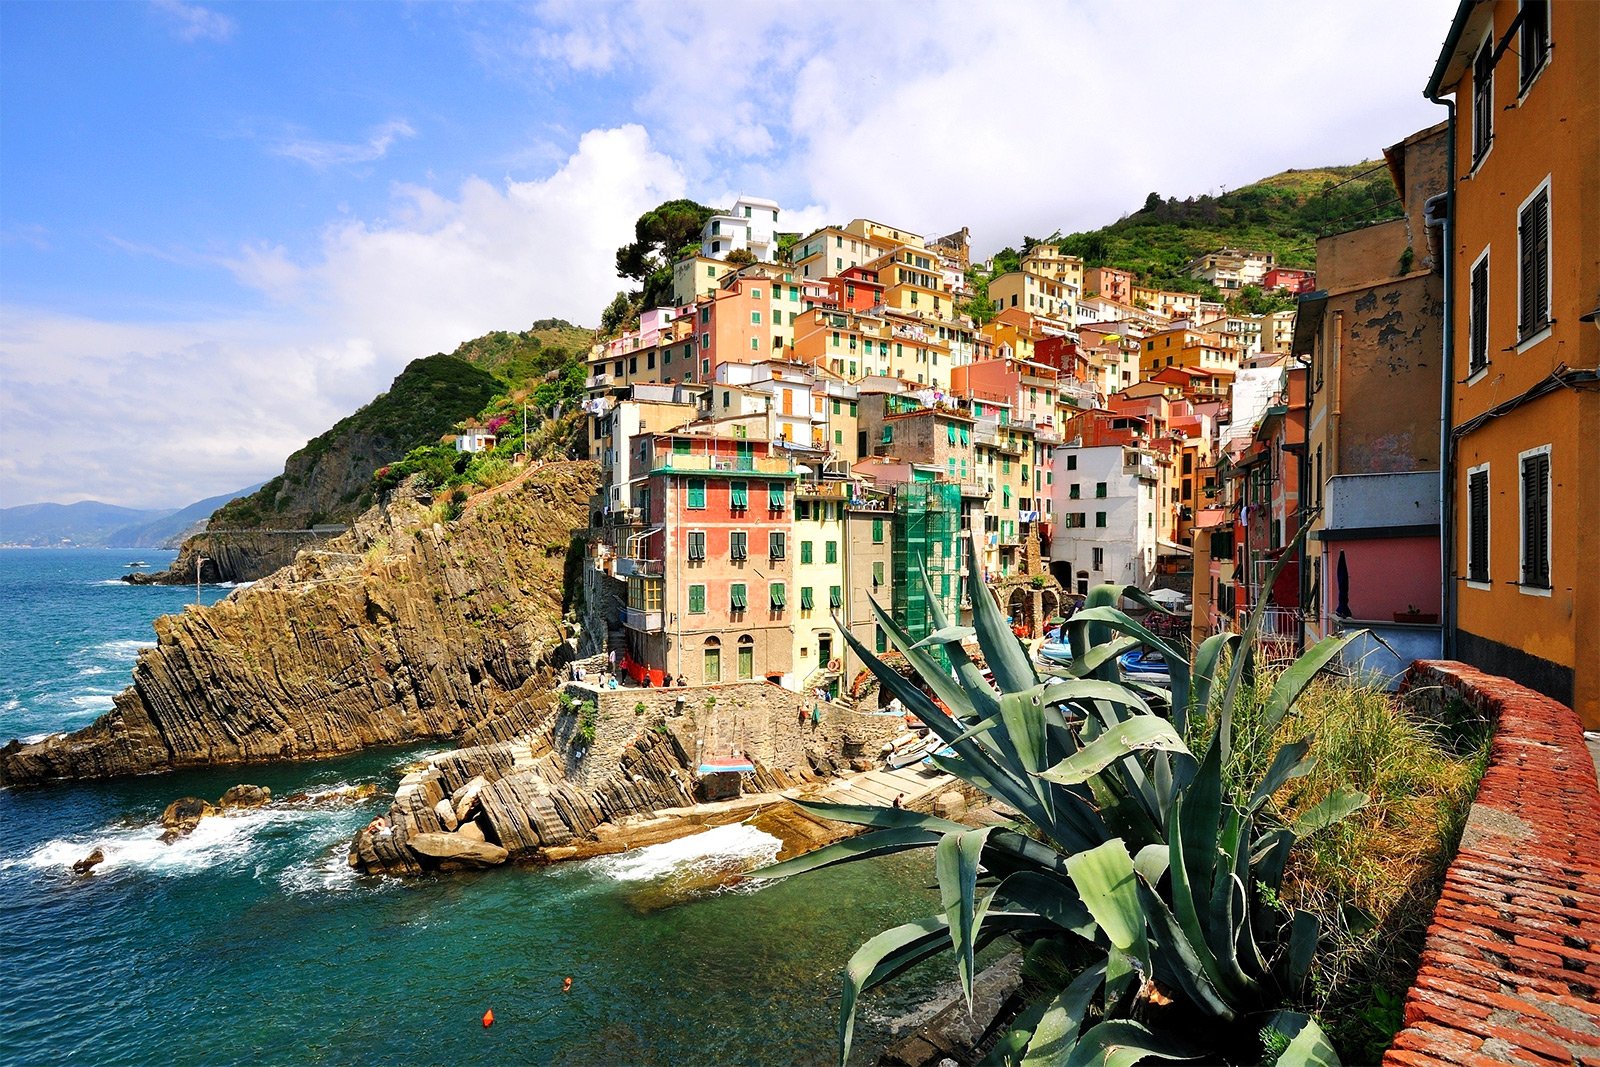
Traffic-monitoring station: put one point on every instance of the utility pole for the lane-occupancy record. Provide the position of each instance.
(197, 562)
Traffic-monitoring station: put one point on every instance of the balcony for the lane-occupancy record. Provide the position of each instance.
(625, 517)
(598, 381)
(975, 490)
(630, 565)
(676, 462)
(642, 620)
(1143, 469)
(837, 490)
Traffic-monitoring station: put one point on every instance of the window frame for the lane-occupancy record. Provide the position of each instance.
(1482, 101)
(777, 544)
(701, 600)
(1474, 580)
(695, 547)
(1533, 588)
(1478, 321)
(1527, 75)
(1526, 338)
(738, 546)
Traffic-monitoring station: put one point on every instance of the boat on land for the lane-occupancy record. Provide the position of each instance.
(907, 749)
(1145, 664)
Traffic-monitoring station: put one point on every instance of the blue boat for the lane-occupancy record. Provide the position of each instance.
(1055, 653)
(1145, 664)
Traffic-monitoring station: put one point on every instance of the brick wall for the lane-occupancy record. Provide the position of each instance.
(1510, 969)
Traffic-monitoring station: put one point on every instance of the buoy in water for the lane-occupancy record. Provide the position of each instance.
(566, 985)
(488, 1018)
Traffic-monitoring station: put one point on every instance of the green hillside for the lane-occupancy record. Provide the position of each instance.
(1283, 214)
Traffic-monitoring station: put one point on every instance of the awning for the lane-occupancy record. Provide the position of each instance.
(1172, 548)
(727, 767)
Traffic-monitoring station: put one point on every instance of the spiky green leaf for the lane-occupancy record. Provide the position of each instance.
(1123, 1043)
(1308, 1045)
(955, 863)
(1335, 806)
(1137, 734)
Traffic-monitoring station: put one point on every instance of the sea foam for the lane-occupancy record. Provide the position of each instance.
(722, 849)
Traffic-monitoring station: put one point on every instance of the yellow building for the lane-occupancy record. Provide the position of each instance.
(1191, 350)
(1523, 478)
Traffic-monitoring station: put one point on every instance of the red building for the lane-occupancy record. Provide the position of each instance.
(1290, 280)
(856, 289)
(710, 578)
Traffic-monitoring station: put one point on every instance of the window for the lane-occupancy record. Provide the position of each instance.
(1478, 524)
(738, 545)
(1483, 100)
(1100, 520)
(1100, 489)
(739, 496)
(697, 600)
(776, 596)
(755, 318)
(697, 546)
(1076, 520)
(775, 496)
(1072, 463)
(1536, 518)
(882, 638)
(1533, 44)
(1072, 491)
(830, 552)
(877, 531)
(645, 594)
(806, 601)
(877, 573)
(1478, 316)
(805, 551)
(775, 544)
(834, 597)
(1099, 559)
(737, 600)
(1533, 258)
(697, 493)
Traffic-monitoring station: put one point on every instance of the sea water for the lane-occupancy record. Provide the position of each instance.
(250, 940)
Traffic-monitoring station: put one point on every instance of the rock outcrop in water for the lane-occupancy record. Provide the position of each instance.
(402, 629)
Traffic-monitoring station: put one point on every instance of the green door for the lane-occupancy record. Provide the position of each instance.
(713, 666)
(747, 661)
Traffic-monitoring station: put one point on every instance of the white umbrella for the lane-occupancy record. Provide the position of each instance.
(1167, 596)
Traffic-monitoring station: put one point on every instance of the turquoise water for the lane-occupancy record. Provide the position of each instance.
(250, 941)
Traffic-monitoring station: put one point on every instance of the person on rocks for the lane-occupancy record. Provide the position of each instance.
(816, 716)
(899, 801)
(800, 716)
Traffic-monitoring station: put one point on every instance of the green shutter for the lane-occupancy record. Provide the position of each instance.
(877, 531)
(680, 447)
(737, 599)
(831, 555)
(805, 551)
(778, 598)
(775, 496)
(835, 599)
(697, 493)
(805, 598)
(697, 599)
(739, 495)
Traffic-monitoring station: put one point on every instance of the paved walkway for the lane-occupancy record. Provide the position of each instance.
(1510, 969)
(914, 783)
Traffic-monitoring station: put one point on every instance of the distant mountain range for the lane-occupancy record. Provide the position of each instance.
(92, 524)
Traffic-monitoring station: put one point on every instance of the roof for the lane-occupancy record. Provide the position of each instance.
(1452, 57)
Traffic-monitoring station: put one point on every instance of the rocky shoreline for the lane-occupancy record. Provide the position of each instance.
(403, 629)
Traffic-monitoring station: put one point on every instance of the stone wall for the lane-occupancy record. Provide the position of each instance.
(1510, 969)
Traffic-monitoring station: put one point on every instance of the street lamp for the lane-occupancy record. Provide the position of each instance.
(197, 561)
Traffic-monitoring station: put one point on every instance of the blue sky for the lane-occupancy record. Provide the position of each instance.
(224, 226)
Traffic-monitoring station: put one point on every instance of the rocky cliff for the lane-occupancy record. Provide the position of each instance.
(404, 628)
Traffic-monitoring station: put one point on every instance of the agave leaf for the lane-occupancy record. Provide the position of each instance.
(1204, 672)
(1293, 681)
(1081, 690)
(1289, 762)
(1025, 728)
(1123, 1043)
(1331, 809)
(876, 815)
(955, 862)
(1139, 596)
(1271, 857)
(946, 635)
(1100, 662)
(880, 959)
(1177, 663)
(1302, 946)
(1008, 1050)
(1178, 962)
(1202, 808)
(1004, 653)
(1054, 899)
(1137, 734)
(1108, 887)
(983, 695)
(1191, 919)
(928, 669)
(1056, 1032)
(879, 843)
(1151, 862)
(1308, 1045)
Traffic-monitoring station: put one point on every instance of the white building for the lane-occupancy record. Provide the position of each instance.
(1104, 500)
(752, 225)
(1231, 268)
(797, 400)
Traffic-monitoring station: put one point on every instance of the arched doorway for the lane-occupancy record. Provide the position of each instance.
(747, 658)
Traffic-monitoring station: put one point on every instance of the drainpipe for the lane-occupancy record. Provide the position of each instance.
(1447, 541)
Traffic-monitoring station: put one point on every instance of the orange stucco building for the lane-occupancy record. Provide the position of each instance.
(1523, 487)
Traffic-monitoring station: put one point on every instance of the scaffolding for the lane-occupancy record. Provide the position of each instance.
(927, 531)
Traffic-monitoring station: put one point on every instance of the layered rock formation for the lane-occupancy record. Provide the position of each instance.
(402, 629)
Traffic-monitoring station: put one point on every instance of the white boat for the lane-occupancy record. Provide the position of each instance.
(907, 749)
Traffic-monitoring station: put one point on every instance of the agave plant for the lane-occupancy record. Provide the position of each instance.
(1134, 859)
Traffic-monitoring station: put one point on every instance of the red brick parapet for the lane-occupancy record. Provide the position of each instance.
(1510, 969)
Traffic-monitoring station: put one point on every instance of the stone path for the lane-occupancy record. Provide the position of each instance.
(1510, 970)
(882, 786)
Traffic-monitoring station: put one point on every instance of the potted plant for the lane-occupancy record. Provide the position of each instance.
(1415, 614)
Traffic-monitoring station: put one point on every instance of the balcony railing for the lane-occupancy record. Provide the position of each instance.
(630, 565)
(642, 620)
(837, 490)
(597, 381)
(672, 461)
(625, 517)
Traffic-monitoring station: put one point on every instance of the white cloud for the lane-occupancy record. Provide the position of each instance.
(153, 414)
(320, 155)
(191, 22)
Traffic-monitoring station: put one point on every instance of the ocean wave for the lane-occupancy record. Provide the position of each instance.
(722, 850)
(126, 649)
(11, 704)
(235, 585)
(93, 701)
(89, 672)
(34, 739)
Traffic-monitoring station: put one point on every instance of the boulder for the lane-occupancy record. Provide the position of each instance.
(471, 831)
(87, 864)
(466, 797)
(183, 815)
(245, 796)
(951, 804)
(446, 813)
(457, 849)
(345, 795)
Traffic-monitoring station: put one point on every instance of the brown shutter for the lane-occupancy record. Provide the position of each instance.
(1525, 259)
(1478, 342)
(1478, 527)
(1541, 260)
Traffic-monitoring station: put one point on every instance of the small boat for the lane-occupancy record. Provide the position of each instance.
(1145, 664)
(137, 563)
(907, 749)
(946, 753)
(1055, 653)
